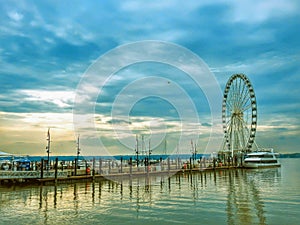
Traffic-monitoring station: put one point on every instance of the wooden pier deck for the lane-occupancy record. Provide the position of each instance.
(34, 177)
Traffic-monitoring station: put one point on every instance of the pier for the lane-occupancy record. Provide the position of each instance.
(110, 170)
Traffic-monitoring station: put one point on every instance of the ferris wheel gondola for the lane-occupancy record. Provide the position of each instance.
(239, 114)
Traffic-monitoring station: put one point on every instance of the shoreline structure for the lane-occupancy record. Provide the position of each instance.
(83, 170)
(75, 171)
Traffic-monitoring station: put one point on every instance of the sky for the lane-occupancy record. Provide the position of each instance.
(55, 57)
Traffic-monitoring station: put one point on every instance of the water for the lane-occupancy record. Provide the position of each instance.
(267, 196)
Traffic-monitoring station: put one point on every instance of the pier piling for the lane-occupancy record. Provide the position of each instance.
(94, 161)
(56, 167)
(42, 168)
(75, 169)
(100, 166)
(130, 168)
(121, 165)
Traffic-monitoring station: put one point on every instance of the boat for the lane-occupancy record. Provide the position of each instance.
(264, 158)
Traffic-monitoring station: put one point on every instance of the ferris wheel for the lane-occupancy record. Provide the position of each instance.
(239, 114)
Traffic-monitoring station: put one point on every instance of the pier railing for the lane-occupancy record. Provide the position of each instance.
(30, 174)
(110, 167)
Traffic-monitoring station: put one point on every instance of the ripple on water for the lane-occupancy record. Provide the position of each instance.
(229, 196)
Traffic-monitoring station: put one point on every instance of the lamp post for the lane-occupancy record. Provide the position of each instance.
(194, 152)
(137, 151)
(78, 148)
(48, 148)
(149, 152)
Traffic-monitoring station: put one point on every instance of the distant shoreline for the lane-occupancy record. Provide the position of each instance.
(290, 155)
(126, 157)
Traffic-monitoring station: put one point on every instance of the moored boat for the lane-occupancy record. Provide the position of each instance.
(261, 159)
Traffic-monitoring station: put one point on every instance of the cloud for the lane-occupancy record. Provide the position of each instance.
(46, 48)
(62, 99)
(258, 11)
(15, 16)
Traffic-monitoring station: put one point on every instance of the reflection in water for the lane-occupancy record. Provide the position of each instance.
(43, 203)
(137, 200)
(55, 196)
(244, 195)
(121, 190)
(93, 193)
(235, 194)
(41, 197)
(100, 190)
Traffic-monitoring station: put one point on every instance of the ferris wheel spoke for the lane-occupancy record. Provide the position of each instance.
(240, 89)
(229, 105)
(228, 123)
(247, 107)
(239, 99)
(243, 92)
(231, 97)
(236, 94)
(245, 104)
(243, 95)
(243, 123)
(232, 94)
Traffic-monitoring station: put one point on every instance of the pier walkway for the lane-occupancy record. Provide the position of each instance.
(67, 176)
(30, 174)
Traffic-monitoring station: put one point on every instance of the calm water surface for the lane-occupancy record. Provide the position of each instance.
(266, 196)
